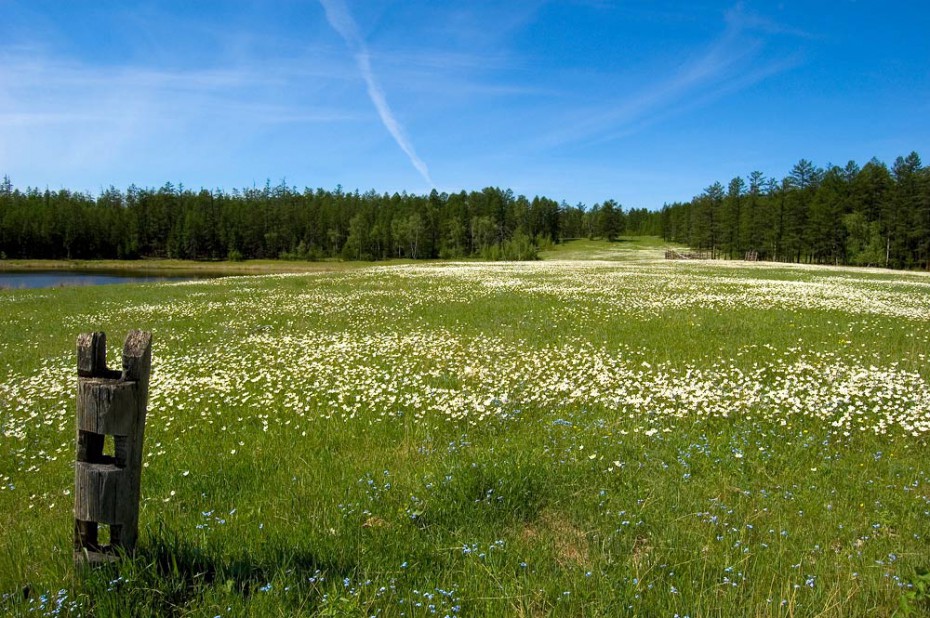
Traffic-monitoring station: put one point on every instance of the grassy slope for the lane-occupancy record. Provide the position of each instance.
(267, 492)
(625, 248)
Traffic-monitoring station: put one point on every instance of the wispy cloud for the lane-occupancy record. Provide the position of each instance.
(734, 61)
(342, 22)
(741, 19)
(63, 118)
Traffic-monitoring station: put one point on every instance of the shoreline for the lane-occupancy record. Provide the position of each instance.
(179, 267)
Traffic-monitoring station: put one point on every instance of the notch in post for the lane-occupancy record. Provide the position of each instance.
(92, 356)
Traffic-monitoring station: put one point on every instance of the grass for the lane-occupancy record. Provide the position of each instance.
(578, 438)
(625, 248)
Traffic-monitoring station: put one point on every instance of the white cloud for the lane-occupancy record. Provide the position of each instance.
(342, 22)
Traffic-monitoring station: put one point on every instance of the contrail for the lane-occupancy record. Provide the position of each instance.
(341, 20)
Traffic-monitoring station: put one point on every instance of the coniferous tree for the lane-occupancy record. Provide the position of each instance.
(609, 220)
(730, 218)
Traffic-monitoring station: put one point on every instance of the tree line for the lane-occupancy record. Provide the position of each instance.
(871, 216)
(868, 216)
(283, 222)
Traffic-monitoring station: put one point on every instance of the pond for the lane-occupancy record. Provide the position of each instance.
(61, 278)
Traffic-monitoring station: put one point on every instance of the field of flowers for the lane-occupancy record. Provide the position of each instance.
(587, 438)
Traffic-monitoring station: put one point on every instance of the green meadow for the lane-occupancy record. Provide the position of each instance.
(599, 433)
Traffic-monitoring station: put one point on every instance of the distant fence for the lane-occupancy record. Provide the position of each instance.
(671, 254)
(111, 409)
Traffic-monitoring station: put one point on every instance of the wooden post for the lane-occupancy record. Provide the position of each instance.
(113, 404)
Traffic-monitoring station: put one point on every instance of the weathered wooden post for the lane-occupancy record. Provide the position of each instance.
(111, 407)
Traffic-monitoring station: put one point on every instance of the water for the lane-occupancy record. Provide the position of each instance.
(59, 278)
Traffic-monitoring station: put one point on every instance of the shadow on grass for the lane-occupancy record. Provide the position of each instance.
(243, 573)
(168, 575)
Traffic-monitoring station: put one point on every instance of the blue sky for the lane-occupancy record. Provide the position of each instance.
(583, 100)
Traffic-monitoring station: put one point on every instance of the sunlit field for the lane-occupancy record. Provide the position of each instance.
(578, 438)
